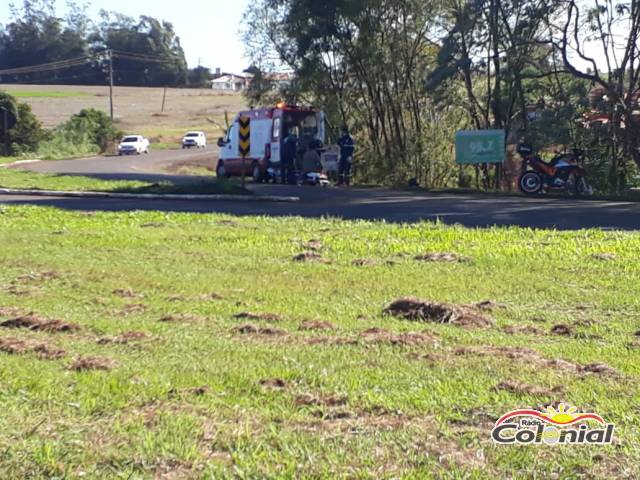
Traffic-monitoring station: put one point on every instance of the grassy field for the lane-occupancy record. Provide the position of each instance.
(137, 110)
(205, 346)
(23, 179)
(47, 94)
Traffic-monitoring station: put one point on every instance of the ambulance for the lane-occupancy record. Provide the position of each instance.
(268, 127)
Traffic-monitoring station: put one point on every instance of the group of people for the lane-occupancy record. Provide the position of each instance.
(294, 149)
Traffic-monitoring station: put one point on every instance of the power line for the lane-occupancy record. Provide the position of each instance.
(47, 67)
(144, 57)
(86, 60)
(58, 79)
(104, 56)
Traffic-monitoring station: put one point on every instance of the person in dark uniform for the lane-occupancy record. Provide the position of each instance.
(347, 148)
(289, 152)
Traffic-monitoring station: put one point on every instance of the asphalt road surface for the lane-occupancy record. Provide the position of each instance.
(143, 167)
(474, 210)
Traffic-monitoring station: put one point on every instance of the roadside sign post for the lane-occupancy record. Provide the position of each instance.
(245, 142)
(475, 147)
(481, 148)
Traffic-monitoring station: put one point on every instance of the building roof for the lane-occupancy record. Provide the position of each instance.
(225, 77)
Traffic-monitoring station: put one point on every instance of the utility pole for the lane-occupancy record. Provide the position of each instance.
(164, 97)
(110, 53)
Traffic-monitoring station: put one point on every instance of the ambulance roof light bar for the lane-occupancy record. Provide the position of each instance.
(282, 105)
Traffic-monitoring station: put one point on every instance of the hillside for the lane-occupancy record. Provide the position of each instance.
(136, 109)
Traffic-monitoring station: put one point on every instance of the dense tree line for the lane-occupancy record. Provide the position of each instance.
(37, 35)
(406, 74)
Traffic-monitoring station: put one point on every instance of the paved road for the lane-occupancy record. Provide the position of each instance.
(356, 203)
(130, 167)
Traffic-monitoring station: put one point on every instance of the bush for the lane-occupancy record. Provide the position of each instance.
(59, 146)
(23, 130)
(89, 132)
(27, 133)
(92, 126)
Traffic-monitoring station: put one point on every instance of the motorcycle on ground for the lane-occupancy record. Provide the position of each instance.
(308, 168)
(564, 173)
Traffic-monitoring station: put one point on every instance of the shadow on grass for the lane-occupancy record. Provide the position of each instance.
(199, 187)
(119, 183)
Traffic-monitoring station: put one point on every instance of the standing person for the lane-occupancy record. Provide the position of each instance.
(347, 148)
(289, 151)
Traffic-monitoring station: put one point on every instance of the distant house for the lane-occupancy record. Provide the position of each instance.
(280, 80)
(229, 82)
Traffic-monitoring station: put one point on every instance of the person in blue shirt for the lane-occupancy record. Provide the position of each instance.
(347, 148)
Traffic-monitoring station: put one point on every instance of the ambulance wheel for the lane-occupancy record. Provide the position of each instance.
(220, 172)
(256, 173)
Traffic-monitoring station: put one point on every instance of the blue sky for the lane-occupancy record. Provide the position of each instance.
(208, 29)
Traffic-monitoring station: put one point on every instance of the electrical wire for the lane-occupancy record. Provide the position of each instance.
(144, 58)
(57, 80)
(45, 67)
(87, 60)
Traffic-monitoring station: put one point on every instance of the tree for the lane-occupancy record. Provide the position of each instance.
(150, 50)
(37, 36)
(599, 41)
(23, 130)
(493, 49)
(397, 70)
(261, 89)
(198, 77)
(364, 62)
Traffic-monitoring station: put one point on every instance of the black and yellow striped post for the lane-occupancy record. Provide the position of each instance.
(245, 142)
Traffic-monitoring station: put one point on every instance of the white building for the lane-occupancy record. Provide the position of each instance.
(230, 82)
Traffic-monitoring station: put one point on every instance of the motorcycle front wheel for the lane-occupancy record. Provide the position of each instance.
(530, 183)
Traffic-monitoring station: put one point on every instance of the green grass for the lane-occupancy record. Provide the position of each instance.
(165, 146)
(168, 136)
(412, 411)
(47, 94)
(22, 179)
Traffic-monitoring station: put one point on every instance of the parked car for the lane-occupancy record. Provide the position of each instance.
(133, 144)
(194, 139)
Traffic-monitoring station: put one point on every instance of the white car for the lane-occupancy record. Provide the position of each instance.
(194, 139)
(133, 144)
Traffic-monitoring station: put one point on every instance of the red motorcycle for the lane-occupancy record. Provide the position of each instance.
(565, 173)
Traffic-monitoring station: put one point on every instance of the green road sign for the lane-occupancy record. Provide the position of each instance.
(480, 146)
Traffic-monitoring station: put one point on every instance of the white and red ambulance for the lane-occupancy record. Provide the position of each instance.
(268, 129)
